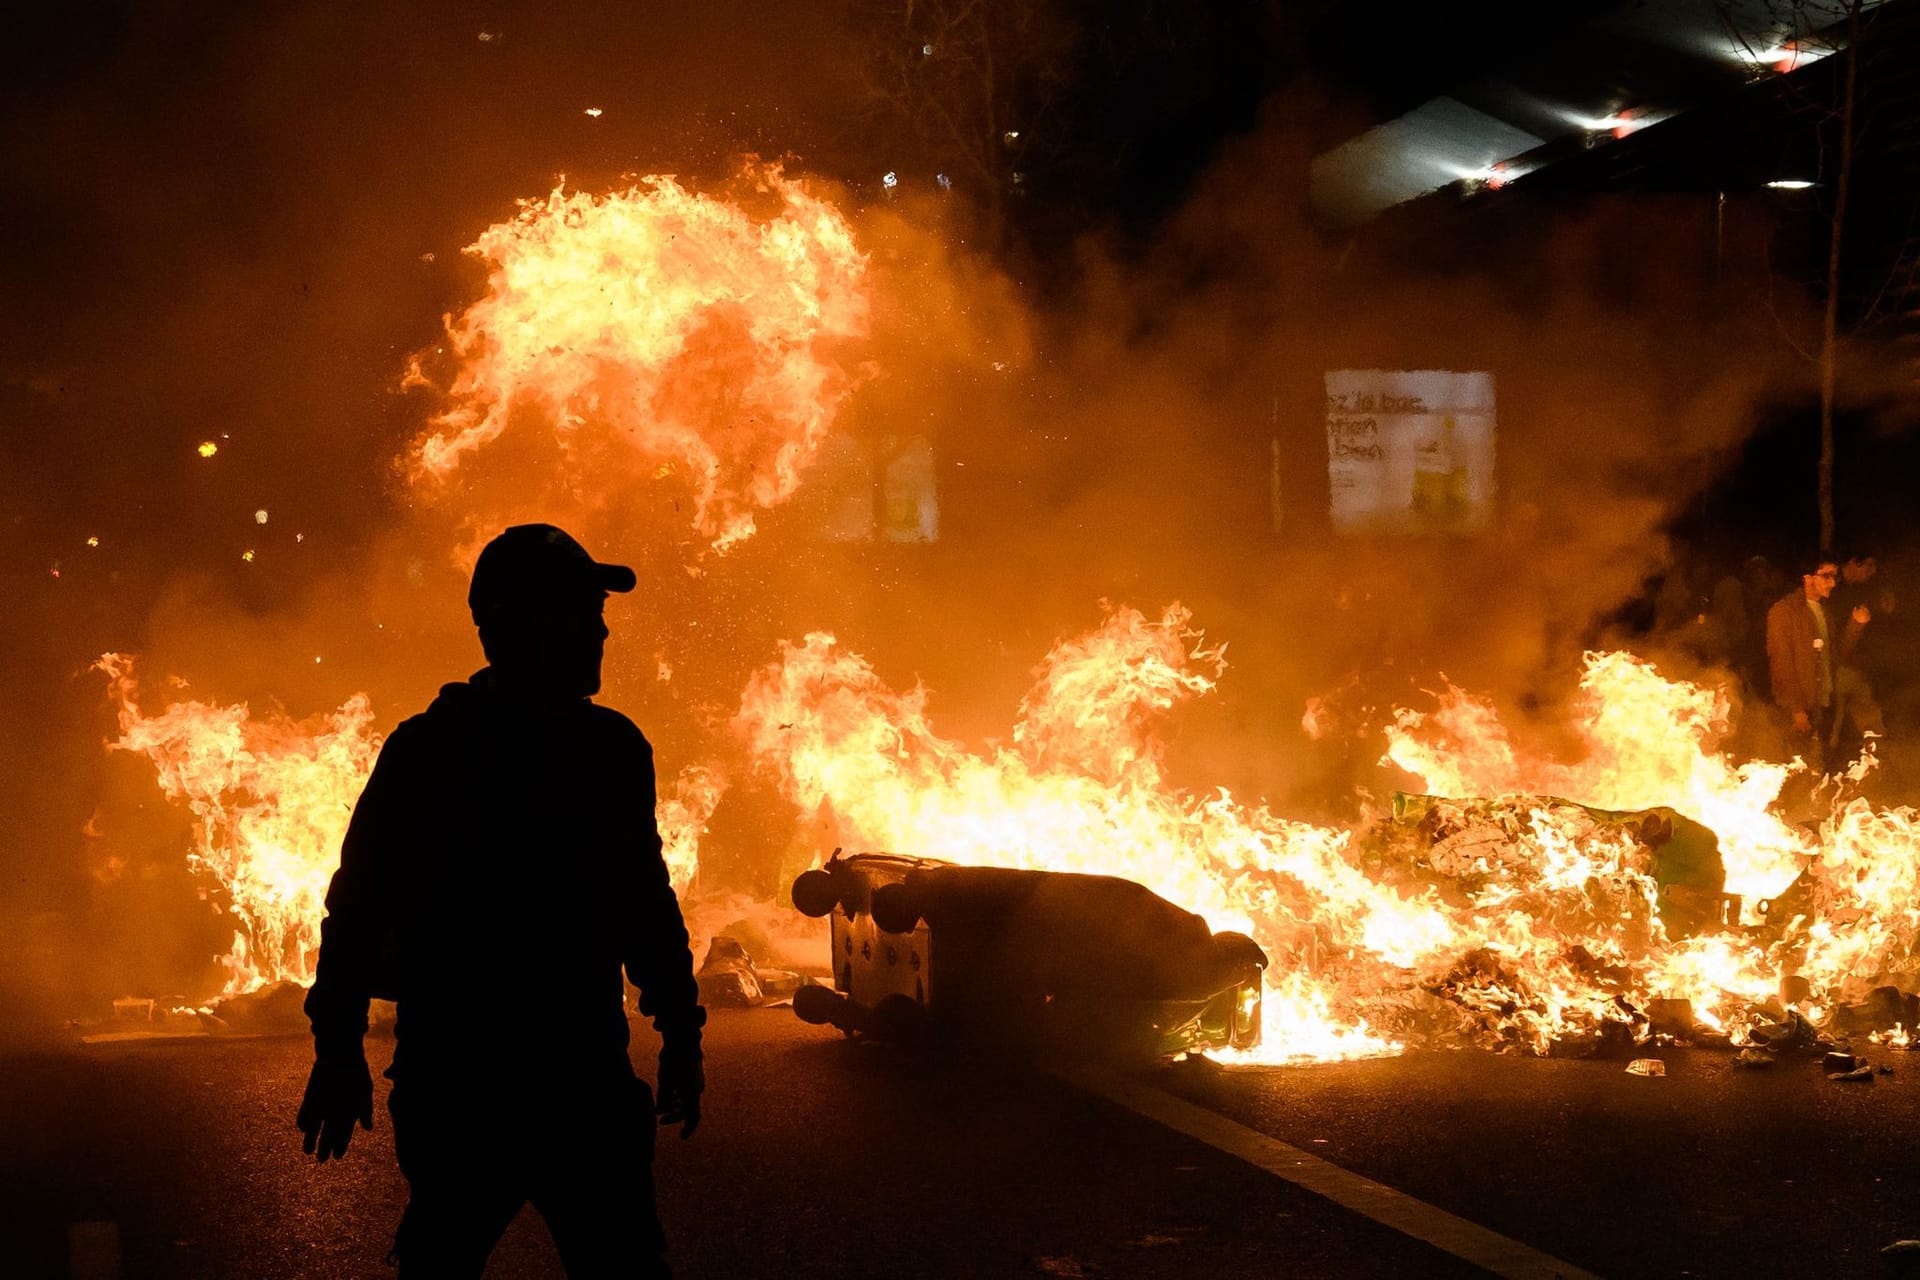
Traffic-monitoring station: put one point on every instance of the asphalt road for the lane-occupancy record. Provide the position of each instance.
(1711, 1170)
(824, 1158)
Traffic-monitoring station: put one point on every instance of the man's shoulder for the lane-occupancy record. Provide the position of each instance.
(412, 742)
(616, 727)
(409, 733)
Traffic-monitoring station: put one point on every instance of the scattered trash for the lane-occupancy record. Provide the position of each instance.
(1574, 1044)
(1671, 1017)
(1883, 1009)
(729, 978)
(1646, 1067)
(1837, 1062)
(1752, 1057)
(1862, 1072)
(275, 1009)
(1794, 1032)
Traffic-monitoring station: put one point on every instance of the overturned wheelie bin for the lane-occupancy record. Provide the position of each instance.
(1043, 962)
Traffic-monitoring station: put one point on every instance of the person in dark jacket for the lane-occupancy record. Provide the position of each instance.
(1805, 651)
(501, 868)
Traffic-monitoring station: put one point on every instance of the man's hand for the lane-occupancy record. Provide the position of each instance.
(339, 1094)
(1802, 722)
(681, 1083)
(1862, 614)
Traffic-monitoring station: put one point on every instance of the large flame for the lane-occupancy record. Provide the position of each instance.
(1509, 920)
(1531, 924)
(271, 797)
(664, 333)
(1082, 789)
(1648, 741)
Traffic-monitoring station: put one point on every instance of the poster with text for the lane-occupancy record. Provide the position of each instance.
(1410, 451)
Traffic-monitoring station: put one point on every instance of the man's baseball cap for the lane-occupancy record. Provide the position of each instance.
(537, 561)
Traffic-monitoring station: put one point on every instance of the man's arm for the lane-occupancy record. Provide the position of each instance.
(659, 961)
(1782, 669)
(1855, 626)
(353, 940)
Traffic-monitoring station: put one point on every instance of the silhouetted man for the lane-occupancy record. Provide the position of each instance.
(501, 867)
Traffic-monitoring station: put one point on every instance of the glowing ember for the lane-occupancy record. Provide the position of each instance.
(207, 449)
(670, 329)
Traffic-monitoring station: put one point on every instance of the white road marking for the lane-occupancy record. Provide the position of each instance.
(1486, 1249)
(93, 1250)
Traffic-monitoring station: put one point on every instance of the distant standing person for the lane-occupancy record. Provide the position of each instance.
(502, 867)
(1805, 651)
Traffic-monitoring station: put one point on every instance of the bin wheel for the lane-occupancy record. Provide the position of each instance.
(820, 1006)
(900, 1018)
(815, 893)
(894, 909)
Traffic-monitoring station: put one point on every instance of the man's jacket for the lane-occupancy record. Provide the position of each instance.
(1793, 656)
(500, 869)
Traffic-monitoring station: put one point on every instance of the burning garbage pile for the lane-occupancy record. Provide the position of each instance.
(1522, 922)
(1517, 922)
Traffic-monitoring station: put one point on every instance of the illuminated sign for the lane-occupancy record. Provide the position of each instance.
(1410, 451)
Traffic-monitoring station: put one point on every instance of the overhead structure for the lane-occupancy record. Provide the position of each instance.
(1567, 89)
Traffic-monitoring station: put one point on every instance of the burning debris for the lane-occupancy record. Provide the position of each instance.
(1523, 922)
(1527, 922)
(271, 797)
(730, 978)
